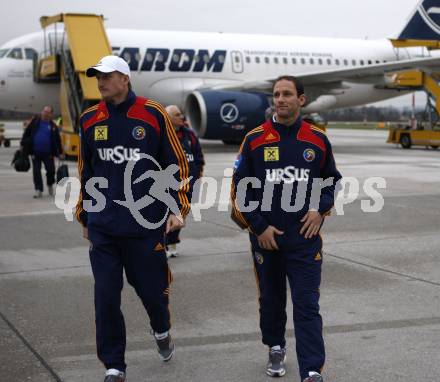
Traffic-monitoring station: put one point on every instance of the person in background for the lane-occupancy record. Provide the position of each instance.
(193, 151)
(41, 140)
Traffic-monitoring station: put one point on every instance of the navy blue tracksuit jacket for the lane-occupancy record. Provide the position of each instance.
(286, 158)
(110, 137)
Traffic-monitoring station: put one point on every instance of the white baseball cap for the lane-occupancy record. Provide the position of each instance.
(109, 64)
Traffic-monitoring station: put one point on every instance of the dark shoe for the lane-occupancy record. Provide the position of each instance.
(316, 377)
(165, 347)
(275, 366)
(50, 190)
(113, 375)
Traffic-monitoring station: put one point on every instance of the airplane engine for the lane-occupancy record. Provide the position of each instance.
(225, 115)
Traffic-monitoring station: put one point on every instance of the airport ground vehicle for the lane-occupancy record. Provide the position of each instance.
(3, 140)
(406, 136)
(425, 132)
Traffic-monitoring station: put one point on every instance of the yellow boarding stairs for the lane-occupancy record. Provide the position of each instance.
(83, 42)
(426, 133)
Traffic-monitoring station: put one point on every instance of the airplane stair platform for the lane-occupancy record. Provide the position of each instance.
(79, 45)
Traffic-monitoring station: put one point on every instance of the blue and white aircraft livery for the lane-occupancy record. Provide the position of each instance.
(223, 81)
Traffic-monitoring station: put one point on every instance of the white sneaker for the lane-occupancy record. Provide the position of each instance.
(172, 251)
(38, 194)
(114, 375)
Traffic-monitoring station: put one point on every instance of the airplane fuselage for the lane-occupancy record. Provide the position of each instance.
(167, 66)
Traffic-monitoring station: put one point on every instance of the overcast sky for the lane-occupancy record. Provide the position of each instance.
(337, 18)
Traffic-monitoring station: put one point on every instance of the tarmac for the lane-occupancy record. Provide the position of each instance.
(380, 295)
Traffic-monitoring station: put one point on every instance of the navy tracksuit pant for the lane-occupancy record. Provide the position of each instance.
(301, 265)
(49, 164)
(146, 268)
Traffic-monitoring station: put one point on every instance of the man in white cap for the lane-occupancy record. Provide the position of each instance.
(123, 128)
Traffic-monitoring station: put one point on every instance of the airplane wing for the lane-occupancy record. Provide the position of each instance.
(330, 81)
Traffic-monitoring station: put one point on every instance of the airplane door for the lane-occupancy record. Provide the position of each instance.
(237, 61)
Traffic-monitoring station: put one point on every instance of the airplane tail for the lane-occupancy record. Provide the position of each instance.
(424, 24)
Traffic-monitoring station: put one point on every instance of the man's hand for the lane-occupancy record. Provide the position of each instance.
(174, 223)
(312, 223)
(267, 239)
(85, 233)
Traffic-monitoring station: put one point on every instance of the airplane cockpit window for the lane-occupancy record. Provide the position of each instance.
(3, 52)
(16, 54)
(30, 53)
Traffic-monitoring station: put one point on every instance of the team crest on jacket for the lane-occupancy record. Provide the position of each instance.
(138, 133)
(271, 154)
(101, 133)
(309, 155)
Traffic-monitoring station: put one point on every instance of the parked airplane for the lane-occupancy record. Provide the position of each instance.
(223, 80)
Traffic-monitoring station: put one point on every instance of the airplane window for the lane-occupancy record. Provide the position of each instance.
(30, 53)
(312, 61)
(257, 60)
(353, 62)
(16, 54)
(149, 57)
(369, 62)
(361, 62)
(337, 62)
(294, 60)
(303, 61)
(284, 60)
(345, 62)
(127, 57)
(329, 62)
(248, 59)
(266, 60)
(3, 52)
(275, 59)
(377, 62)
